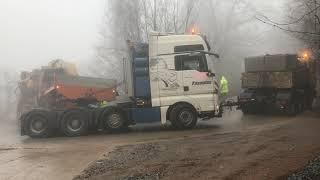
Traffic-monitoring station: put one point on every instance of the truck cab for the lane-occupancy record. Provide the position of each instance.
(171, 77)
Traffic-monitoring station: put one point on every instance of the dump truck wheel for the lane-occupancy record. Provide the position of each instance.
(114, 120)
(74, 122)
(300, 107)
(249, 109)
(183, 116)
(37, 124)
(292, 109)
(245, 110)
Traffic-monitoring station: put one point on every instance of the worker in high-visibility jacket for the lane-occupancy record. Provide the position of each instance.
(224, 88)
(103, 104)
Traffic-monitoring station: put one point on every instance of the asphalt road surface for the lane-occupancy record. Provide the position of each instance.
(64, 158)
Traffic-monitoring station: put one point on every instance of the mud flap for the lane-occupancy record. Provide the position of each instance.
(22, 124)
(219, 115)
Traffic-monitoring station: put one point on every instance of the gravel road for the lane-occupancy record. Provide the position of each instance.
(310, 172)
(236, 146)
(272, 151)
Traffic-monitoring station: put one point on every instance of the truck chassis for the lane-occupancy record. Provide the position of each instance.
(268, 100)
(80, 121)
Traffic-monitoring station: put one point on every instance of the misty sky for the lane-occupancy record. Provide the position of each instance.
(35, 31)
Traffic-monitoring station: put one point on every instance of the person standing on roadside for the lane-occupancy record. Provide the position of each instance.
(224, 88)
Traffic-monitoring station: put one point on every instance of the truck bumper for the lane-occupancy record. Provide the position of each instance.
(22, 131)
(247, 102)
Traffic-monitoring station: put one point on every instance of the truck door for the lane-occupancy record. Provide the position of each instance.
(198, 85)
(170, 80)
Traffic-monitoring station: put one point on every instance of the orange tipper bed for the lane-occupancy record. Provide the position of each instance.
(75, 87)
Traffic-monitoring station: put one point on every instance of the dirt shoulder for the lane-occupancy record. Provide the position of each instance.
(271, 152)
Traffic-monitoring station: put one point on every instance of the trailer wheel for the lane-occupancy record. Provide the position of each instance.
(300, 107)
(292, 109)
(37, 124)
(245, 110)
(183, 116)
(114, 120)
(74, 122)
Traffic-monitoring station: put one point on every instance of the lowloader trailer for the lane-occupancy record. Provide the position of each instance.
(169, 79)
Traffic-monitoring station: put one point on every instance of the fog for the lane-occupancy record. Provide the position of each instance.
(34, 32)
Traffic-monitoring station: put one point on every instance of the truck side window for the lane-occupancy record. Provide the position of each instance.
(186, 62)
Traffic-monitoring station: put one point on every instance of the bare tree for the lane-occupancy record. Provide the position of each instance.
(302, 22)
(226, 23)
(133, 20)
(230, 27)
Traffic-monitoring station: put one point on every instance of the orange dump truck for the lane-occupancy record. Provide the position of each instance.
(58, 86)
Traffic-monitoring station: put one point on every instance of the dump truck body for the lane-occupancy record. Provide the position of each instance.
(59, 84)
(79, 87)
(278, 82)
(272, 63)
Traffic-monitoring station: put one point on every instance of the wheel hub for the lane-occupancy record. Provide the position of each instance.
(114, 121)
(186, 117)
(74, 124)
(37, 126)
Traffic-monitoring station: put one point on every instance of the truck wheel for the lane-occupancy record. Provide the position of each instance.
(300, 107)
(292, 109)
(183, 116)
(74, 122)
(245, 110)
(174, 124)
(114, 120)
(37, 124)
(308, 103)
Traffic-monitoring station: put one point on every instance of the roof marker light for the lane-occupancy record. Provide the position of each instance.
(193, 31)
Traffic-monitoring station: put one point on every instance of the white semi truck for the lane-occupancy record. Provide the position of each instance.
(169, 79)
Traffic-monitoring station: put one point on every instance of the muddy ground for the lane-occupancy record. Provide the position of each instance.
(271, 151)
(236, 147)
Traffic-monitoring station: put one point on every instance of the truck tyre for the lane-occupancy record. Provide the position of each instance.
(174, 124)
(292, 109)
(245, 110)
(114, 120)
(37, 124)
(74, 122)
(301, 107)
(183, 116)
(308, 102)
